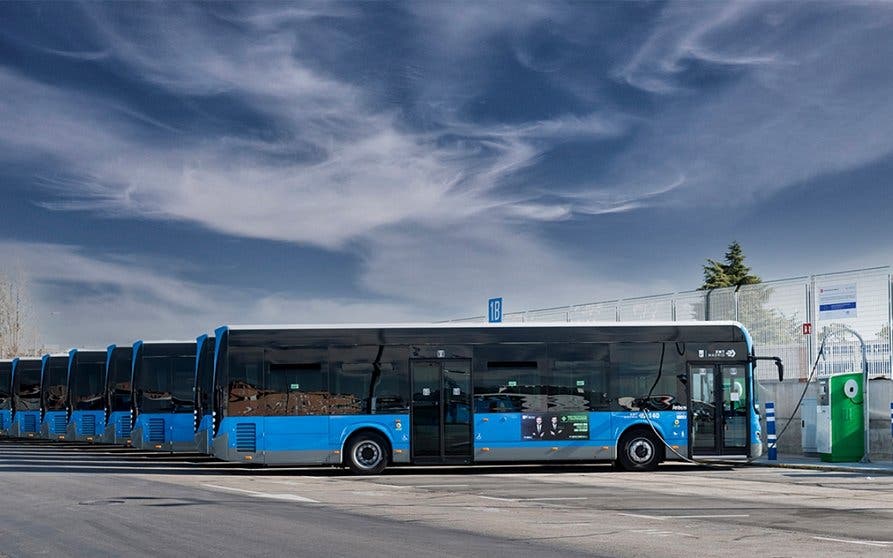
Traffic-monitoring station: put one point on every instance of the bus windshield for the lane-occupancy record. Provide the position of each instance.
(119, 379)
(5, 384)
(86, 382)
(204, 380)
(164, 380)
(55, 384)
(26, 388)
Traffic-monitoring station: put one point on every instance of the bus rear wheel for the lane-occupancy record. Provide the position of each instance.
(639, 450)
(367, 454)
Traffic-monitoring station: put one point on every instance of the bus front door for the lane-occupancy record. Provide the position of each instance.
(441, 411)
(718, 410)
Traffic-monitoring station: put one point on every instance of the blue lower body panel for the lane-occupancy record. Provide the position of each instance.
(54, 425)
(164, 432)
(117, 429)
(25, 424)
(5, 421)
(85, 426)
(312, 440)
(496, 437)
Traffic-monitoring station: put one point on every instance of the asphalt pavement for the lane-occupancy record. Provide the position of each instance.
(70, 500)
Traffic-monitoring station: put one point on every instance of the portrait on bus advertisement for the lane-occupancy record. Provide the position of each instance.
(555, 426)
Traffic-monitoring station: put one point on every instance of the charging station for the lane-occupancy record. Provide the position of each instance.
(840, 418)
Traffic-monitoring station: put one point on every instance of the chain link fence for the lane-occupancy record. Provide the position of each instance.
(788, 318)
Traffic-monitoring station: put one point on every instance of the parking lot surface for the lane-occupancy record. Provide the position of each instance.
(75, 500)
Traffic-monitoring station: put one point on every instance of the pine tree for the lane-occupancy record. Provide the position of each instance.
(731, 273)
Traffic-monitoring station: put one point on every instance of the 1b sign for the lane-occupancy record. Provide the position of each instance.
(494, 310)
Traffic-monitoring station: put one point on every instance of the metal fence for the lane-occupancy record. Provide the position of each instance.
(788, 318)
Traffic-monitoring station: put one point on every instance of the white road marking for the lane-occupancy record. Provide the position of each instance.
(707, 516)
(266, 495)
(499, 499)
(550, 499)
(666, 517)
(882, 544)
(641, 516)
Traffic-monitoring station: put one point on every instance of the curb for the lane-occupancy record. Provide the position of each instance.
(816, 467)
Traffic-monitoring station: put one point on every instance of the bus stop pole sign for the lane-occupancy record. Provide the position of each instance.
(494, 310)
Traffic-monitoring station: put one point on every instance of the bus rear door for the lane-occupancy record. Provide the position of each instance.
(718, 410)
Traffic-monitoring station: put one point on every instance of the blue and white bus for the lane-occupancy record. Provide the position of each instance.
(86, 390)
(5, 396)
(368, 396)
(25, 397)
(118, 395)
(54, 397)
(204, 392)
(163, 394)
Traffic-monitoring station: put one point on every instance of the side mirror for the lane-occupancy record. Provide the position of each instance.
(778, 364)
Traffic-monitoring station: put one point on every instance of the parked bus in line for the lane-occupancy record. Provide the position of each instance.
(163, 394)
(86, 387)
(204, 392)
(118, 402)
(54, 396)
(25, 397)
(5, 396)
(368, 396)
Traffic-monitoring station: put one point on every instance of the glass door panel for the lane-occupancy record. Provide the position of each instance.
(734, 408)
(457, 408)
(703, 418)
(426, 397)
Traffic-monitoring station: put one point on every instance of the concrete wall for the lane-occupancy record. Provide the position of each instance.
(786, 394)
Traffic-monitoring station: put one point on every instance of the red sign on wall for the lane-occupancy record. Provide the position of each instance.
(807, 328)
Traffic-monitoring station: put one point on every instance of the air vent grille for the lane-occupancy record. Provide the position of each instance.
(124, 423)
(60, 423)
(156, 430)
(246, 437)
(29, 423)
(89, 425)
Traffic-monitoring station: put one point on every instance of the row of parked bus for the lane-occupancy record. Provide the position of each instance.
(140, 395)
(366, 397)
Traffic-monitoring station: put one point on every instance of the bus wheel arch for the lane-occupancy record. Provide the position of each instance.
(639, 449)
(367, 451)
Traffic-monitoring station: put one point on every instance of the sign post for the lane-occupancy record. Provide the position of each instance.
(494, 310)
(770, 431)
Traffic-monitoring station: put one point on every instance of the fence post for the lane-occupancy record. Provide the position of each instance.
(890, 322)
(770, 431)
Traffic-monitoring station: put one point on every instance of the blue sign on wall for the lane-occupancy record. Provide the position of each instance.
(494, 310)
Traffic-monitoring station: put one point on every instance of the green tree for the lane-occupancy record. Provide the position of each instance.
(730, 273)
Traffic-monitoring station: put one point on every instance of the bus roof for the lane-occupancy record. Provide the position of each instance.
(460, 325)
(155, 342)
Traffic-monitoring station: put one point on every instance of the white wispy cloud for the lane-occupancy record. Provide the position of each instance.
(338, 168)
(798, 107)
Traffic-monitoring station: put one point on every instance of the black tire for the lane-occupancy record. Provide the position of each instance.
(639, 450)
(367, 454)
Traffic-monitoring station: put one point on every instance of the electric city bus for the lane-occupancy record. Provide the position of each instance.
(25, 397)
(54, 397)
(5, 396)
(86, 391)
(118, 395)
(204, 392)
(368, 396)
(163, 393)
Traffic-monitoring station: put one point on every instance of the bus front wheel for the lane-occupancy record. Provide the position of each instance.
(367, 454)
(639, 450)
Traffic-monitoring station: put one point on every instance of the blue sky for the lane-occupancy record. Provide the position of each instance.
(167, 168)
